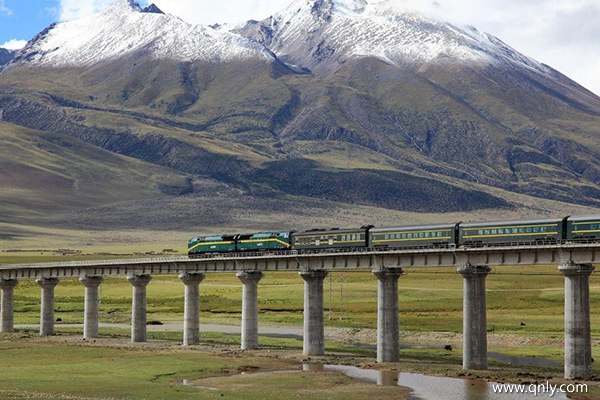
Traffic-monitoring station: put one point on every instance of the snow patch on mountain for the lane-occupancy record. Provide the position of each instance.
(125, 28)
(322, 34)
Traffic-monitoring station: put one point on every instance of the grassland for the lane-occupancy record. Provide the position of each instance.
(525, 319)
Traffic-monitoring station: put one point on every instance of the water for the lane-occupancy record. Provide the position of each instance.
(434, 388)
(423, 387)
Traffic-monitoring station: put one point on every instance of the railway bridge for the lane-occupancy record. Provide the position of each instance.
(574, 261)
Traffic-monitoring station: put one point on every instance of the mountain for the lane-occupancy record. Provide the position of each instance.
(126, 29)
(342, 101)
(452, 94)
(6, 56)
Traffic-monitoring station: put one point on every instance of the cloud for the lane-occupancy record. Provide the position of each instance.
(73, 9)
(192, 11)
(205, 11)
(14, 44)
(3, 9)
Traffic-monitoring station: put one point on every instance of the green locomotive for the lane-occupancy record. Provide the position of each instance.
(241, 242)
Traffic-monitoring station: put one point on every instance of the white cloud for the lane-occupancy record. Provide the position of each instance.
(14, 44)
(3, 9)
(206, 12)
(72, 9)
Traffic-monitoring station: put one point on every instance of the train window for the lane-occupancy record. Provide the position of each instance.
(543, 229)
(501, 231)
(536, 229)
(486, 231)
(521, 230)
(409, 235)
(427, 234)
(480, 232)
(386, 237)
(528, 230)
(494, 231)
(594, 226)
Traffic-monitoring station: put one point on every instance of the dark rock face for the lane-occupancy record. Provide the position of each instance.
(152, 8)
(6, 56)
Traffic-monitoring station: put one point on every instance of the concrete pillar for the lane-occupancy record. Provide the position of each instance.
(314, 325)
(90, 317)
(8, 288)
(474, 316)
(47, 310)
(250, 281)
(388, 331)
(191, 313)
(578, 340)
(138, 307)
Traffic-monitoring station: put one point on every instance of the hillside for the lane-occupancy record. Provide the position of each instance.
(290, 113)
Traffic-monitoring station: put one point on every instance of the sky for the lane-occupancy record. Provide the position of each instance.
(564, 34)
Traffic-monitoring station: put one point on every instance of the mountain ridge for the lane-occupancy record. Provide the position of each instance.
(467, 118)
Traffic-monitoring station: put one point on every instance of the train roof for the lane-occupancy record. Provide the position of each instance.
(265, 234)
(595, 217)
(413, 227)
(330, 231)
(511, 222)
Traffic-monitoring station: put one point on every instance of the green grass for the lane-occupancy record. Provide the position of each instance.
(430, 302)
(55, 369)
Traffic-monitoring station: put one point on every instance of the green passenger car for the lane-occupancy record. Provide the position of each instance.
(440, 236)
(331, 239)
(512, 232)
(583, 229)
(264, 241)
(211, 244)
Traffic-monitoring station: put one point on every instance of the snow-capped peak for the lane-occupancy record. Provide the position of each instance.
(125, 28)
(322, 34)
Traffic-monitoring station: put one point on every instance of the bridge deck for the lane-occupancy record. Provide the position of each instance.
(331, 260)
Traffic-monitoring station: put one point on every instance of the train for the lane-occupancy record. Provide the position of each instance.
(585, 229)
